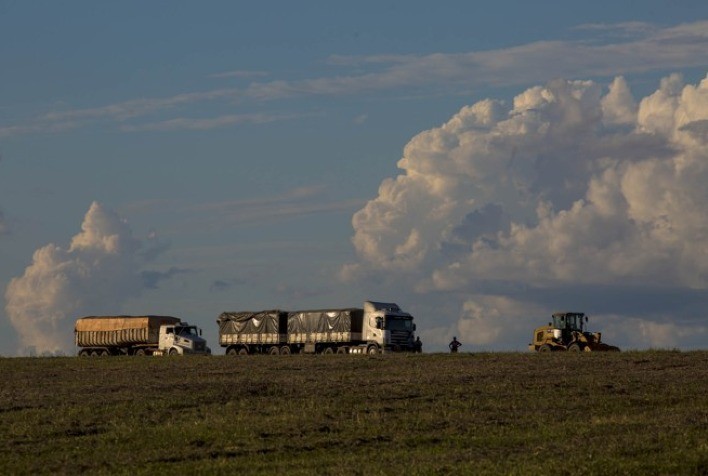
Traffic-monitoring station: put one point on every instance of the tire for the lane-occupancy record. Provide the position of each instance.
(575, 347)
(232, 351)
(243, 351)
(341, 350)
(285, 350)
(94, 353)
(545, 348)
(274, 351)
(173, 351)
(328, 351)
(84, 353)
(140, 353)
(372, 350)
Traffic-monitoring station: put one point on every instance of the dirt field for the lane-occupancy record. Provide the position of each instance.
(492, 413)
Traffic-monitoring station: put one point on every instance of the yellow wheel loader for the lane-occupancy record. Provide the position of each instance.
(568, 332)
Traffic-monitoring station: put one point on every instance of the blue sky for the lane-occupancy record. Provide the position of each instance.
(237, 141)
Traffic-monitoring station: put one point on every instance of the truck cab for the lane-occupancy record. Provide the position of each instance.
(181, 339)
(388, 327)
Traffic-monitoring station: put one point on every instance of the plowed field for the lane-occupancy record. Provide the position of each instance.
(491, 413)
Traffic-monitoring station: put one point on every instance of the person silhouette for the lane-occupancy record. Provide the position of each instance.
(418, 346)
(454, 345)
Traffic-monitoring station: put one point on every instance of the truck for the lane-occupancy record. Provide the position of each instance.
(568, 332)
(137, 335)
(378, 327)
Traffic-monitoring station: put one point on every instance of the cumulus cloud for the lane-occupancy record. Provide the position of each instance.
(101, 268)
(572, 185)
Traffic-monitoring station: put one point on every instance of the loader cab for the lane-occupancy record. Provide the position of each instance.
(569, 321)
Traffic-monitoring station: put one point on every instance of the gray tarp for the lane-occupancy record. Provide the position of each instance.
(327, 325)
(328, 320)
(263, 322)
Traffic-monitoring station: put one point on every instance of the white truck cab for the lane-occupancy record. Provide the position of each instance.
(181, 339)
(388, 327)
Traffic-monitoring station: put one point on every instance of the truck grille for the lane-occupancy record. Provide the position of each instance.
(400, 338)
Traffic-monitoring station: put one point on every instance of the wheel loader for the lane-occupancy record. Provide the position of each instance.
(568, 332)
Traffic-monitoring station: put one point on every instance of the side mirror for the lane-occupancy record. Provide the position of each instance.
(200, 332)
(414, 327)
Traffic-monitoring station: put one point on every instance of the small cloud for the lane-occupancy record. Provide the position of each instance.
(220, 285)
(4, 227)
(361, 118)
(152, 278)
(202, 124)
(239, 74)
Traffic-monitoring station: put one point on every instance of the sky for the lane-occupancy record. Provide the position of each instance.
(482, 164)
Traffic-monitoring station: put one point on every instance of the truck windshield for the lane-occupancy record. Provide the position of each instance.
(398, 324)
(187, 331)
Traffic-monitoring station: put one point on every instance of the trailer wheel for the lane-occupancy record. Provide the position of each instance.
(84, 353)
(140, 352)
(94, 353)
(372, 350)
(545, 348)
(243, 351)
(232, 351)
(328, 351)
(285, 350)
(274, 351)
(341, 350)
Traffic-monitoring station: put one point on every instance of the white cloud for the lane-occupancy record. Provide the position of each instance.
(102, 267)
(570, 186)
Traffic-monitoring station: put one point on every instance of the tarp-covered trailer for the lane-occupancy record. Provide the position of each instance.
(253, 332)
(325, 330)
(119, 334)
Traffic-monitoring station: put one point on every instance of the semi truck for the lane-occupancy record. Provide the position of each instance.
(137, 335)
(378, 327)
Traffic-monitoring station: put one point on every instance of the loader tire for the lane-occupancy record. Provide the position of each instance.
(575, 347)
(545, 348)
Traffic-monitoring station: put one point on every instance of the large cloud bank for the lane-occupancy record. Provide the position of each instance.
(571, 190)
(100, 270)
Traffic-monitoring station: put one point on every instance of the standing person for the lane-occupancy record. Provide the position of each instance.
(418, 345)
(454, 345)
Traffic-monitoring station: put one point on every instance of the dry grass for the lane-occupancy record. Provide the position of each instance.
(627, 413)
